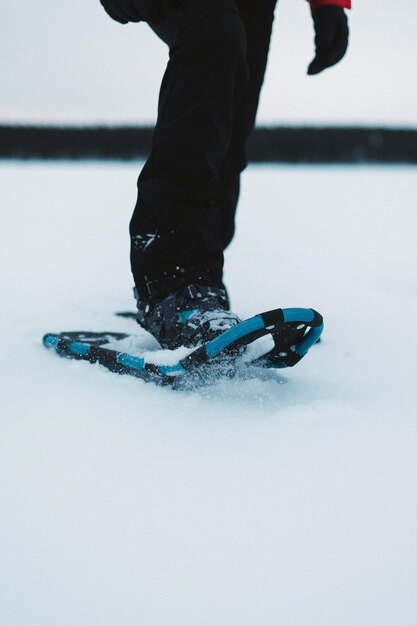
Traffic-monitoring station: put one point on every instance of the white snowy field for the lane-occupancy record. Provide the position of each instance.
(243, 504)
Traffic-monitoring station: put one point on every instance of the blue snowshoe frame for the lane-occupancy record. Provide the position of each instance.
(290, 323)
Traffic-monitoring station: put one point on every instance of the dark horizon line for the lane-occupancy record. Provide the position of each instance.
(268, 144)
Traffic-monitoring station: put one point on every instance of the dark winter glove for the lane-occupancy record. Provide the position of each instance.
(332, 35)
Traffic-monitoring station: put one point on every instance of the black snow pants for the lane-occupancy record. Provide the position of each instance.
(188, 189)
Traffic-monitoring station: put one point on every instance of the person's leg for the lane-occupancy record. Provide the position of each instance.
(258, 19)
(176, 229)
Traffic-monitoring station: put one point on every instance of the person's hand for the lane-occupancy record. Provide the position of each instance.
(332, 35)
(123, 11)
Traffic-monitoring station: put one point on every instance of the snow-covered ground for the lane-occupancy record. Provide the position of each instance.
(242, 504)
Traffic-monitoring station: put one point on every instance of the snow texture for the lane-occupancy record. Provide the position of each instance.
(291, 500)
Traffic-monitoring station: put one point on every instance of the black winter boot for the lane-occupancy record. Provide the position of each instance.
(189, 317)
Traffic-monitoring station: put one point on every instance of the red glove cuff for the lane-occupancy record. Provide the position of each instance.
(315, 4)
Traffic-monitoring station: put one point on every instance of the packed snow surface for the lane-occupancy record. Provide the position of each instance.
(290, 500)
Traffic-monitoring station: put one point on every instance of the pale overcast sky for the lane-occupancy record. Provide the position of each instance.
(67, 62)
